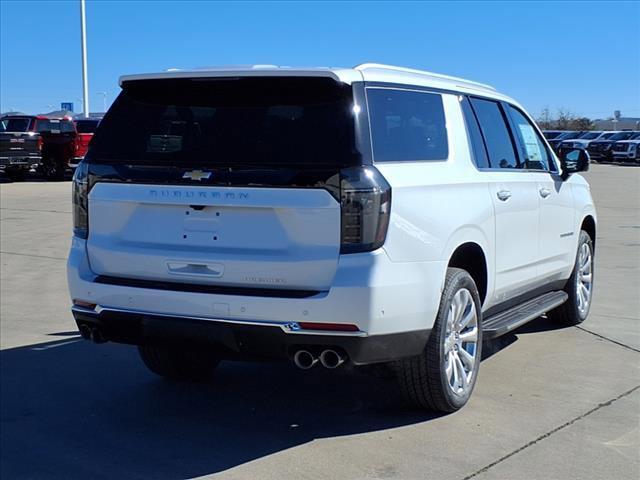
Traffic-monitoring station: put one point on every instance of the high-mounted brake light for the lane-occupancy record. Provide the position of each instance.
(80, 199)
(365, 200)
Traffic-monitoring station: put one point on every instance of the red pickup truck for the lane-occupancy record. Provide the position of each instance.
(85, 127)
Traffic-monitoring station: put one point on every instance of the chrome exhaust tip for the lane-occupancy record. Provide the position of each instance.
(304, 359)
(331, 359)
(96, 335)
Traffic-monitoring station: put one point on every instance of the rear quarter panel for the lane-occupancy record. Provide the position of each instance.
(439, 205)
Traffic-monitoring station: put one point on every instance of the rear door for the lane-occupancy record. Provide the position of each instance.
(556, 234)
(515, 200)
(226, 189)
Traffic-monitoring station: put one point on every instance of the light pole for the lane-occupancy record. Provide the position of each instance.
(104, 100)
(85, 80)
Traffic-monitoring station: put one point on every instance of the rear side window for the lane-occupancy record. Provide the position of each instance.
(475, 135)
(407, 125)
(535, 155)
(257, 121)
(495, 133)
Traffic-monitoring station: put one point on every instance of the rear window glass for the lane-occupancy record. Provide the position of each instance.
(249, 121)
(406, 125)
(86, 126)
(15, 124)
(43, 125)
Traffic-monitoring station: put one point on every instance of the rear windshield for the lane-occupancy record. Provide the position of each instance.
(246, 121)
(86, 126)
(551, 135)
(15, 124)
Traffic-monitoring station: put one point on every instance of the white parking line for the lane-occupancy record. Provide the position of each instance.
(47, 347)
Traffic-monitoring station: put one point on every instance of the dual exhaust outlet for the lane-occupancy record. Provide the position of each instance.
(92, 333)
(304, 359)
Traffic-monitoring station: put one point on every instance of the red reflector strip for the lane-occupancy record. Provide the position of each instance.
(83, 304)
(339, 327)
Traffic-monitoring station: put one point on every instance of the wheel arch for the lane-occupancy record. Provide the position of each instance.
(589, 225)
(470, 256)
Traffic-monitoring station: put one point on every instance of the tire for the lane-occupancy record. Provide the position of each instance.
(573, 311)
(17, 175)
(424, 380)
(179, 363)
(53, 169)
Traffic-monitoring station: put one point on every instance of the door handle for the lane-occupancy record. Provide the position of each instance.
(545, 192)
(504, 195)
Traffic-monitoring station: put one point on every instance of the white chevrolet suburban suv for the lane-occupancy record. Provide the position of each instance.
(371, 215)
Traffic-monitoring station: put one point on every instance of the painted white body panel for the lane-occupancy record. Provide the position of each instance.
(529, 239)
(252, 237)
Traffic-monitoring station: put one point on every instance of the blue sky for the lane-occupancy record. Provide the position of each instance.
(582, 56)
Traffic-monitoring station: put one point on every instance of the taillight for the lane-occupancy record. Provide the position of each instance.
(39, 144)
(80, 200)
(366, 206)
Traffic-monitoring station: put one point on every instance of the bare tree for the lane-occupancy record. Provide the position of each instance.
(544, 120)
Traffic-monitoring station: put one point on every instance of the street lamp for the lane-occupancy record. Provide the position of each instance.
(104, 100)
(83, 41)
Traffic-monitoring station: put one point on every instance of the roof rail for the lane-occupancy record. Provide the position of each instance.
(365, 66)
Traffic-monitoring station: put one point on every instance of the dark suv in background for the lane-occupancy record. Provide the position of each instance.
(601, 149)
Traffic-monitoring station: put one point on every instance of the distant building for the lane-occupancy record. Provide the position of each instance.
(620, 123)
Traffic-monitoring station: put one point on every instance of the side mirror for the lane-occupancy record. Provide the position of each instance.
(573, 160)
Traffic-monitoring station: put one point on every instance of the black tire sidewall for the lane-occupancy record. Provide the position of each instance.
(457, 280)
(571, 285)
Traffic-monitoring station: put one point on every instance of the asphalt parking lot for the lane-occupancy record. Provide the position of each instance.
(551, 403)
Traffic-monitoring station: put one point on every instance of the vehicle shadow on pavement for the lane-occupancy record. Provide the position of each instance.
(79, 410)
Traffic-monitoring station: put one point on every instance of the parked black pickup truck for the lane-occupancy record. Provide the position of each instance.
(20, 143)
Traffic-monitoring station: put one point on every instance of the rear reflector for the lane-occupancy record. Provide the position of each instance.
(83, 304)
(338, 327)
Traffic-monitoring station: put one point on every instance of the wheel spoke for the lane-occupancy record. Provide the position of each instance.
(461, 373)
(456, 378)
(468, 316)
(457, 308)
(467, 359)
(448, 367)
(585, 291)
(581, 298)
(470, 335)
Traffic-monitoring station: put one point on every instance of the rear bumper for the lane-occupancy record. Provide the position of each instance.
(19, 162)
(245, 340)
(73, 163)
(394, 305)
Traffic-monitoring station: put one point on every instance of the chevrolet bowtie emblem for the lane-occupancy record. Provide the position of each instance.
(197, 175)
